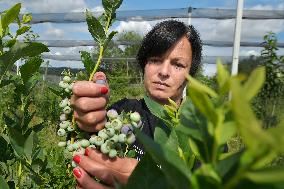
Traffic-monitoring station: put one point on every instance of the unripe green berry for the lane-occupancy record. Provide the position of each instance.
(66, 79)
(63, 117)
(105, 148)
(112, 153)
(116, 124)
(73, 164)
(70, 129)
(108, 125)
(110, 132)
(130, 139)
(70, 87)
(62, 144)
(67, 90)
(70, 148)
(63, 85)
(96, 140)
(65, 102)
(64, 124)
(61, 132)
(136, 125)
(76, 145)
(102, 133)
(135, 116)
(122, 138)
(114, 138)
(84, 143)
(67, 110)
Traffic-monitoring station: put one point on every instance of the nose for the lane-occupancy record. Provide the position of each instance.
(164, 70)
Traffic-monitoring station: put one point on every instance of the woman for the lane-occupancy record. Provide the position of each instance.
(168, 53)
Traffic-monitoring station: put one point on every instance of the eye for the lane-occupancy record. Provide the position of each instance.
(178, 65)
(154, 60)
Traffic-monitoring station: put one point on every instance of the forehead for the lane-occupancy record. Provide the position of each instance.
(181, 49)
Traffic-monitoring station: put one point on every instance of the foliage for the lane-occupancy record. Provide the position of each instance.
(198, 131)
(269, 99)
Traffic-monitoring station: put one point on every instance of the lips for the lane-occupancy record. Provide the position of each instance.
(161, 83)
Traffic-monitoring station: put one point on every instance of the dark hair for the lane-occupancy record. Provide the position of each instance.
(163, 36)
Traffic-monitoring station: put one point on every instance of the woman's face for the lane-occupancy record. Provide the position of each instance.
(164, 76)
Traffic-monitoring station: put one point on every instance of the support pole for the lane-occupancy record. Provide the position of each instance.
(237, 39)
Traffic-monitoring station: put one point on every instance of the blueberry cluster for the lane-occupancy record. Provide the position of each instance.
(65, 125)
(118, 134)
(114, 140)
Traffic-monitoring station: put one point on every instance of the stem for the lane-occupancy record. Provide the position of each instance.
(98, 63)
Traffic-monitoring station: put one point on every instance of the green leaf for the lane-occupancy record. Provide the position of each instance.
(254, 82)
(198, 86)
(3, 183)
(19, 50)
(27, 18)
(228, 166)
(223, 77)
(225, 131)
(109, 38)
(89, 64)
(266, 175)
(173, 167)
(95, 28)
(10, 16)
(249, 127)
(152, 180)
(23, 29)
(10, 43)
(17, 141)
(30, 145)
(31, 66)
(157, 109)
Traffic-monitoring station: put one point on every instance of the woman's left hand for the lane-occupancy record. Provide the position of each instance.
(107, 170)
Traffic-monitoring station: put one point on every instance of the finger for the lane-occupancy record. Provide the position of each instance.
(89, 89)
(90, 118)
(95, 169)
(100, 78)
(87, 182)
(87, 104)
(123, 165)
(90, 127)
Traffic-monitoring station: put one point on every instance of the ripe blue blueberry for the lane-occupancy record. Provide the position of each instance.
(112, 114)
(126, 129)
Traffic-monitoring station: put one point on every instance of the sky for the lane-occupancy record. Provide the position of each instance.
(223, 30)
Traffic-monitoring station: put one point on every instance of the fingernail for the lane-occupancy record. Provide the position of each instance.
(104, 90)
(101, 81)
(87, 152)
(77, 172)
(77, 159)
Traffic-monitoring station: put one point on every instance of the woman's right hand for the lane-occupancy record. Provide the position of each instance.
(89, 101)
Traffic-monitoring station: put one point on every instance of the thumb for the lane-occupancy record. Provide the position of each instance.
(100, 78)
